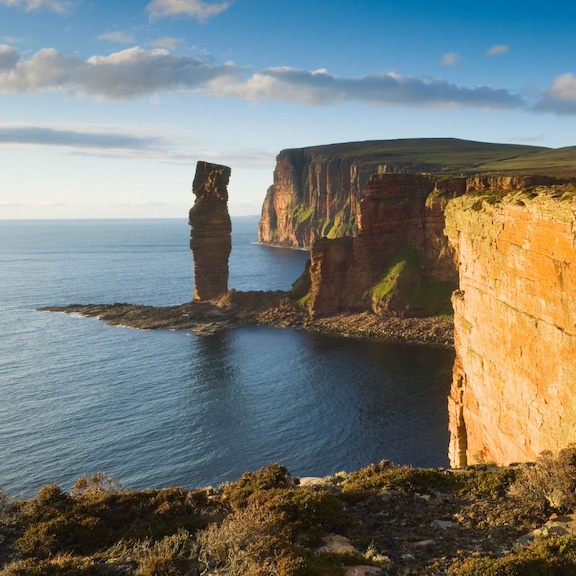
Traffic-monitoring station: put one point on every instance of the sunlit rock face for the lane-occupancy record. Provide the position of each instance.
(514, 378)
(211, 229)
(316, 193)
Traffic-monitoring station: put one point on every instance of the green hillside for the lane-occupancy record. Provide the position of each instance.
(449, 155)
(560, 162)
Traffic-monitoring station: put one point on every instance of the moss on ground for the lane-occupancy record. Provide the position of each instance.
(400, 519)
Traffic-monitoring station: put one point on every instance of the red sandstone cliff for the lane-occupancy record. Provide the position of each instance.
(399, 261)
(515, 324)
(317, 190)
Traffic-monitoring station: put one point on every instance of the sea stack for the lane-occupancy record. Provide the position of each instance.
(211, 241)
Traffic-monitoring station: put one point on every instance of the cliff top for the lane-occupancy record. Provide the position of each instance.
(558, 201)
(449, 155)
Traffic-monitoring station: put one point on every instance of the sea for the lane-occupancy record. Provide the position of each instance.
(172, 408)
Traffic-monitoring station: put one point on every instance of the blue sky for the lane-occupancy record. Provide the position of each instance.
(105, 106)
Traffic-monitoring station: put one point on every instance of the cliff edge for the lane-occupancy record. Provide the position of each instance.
(515, 324)
(317, 190)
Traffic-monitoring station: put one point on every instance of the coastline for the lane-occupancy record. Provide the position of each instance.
(270, 309)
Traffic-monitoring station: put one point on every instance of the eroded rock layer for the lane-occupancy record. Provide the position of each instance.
(515, 324)
(211, 241)
(317, 190)
(399, 261)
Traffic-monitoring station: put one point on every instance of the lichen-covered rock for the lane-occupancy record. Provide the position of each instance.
(211, 241)
(515, 324)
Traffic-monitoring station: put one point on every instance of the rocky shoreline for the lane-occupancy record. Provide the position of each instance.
(266, 308)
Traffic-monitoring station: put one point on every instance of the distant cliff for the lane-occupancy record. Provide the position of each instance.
(515, 324)
(317, 190)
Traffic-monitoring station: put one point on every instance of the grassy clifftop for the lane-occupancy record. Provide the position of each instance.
(450, 155)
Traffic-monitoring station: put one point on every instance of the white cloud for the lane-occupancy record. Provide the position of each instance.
(127, 74)
(8, 57)
(167, 43)
(45, 70)
(561, 96)
(117, 37)
(58, 6)
(450, 59)
(498, 50)
(321, 88)
(136, 72)
(197, 9)
(13, 39)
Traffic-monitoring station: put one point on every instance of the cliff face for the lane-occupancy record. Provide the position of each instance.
(399, 260)
(211, 229)
(310, 198)
(317, 190)
(514, 379)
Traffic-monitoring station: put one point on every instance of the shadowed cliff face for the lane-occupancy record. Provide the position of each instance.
(211, 241)
(515, 324)
(399, 261)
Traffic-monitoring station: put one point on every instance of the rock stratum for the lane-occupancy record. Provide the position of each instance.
(317, 190)
(515, 324)
(211, 229)
(399, 262)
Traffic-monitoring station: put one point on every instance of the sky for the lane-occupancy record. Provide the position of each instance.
(106, 106)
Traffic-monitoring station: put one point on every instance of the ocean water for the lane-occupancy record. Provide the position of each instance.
(166, 408)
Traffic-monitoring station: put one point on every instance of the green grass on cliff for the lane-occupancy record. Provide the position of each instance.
(406, 261)
(438, 154)
(560, 163)
(404, 287)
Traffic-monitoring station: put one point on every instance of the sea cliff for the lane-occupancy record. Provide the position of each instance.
(515, 324)
(317, 190)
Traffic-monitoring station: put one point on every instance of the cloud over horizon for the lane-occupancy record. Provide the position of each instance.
(137, 72)
(123, 143)
(79, 138)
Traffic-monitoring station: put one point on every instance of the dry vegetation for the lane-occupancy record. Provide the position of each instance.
(398, 519)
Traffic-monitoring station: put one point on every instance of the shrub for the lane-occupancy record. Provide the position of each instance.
(98, 483)
(551, 481)
(306, 513)
(487, 483)
(556, 557)
(173, 555)
(250, 542)
(60, 566)
(267, 478)
(403, 478)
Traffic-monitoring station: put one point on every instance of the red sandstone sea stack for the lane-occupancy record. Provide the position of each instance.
(211, 241)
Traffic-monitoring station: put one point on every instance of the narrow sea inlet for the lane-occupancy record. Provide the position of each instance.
(160, 408)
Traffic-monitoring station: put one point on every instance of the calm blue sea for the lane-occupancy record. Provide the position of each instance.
(163, 408)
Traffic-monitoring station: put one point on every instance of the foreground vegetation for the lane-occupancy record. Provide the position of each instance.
(390, 520)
